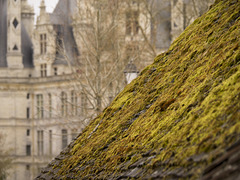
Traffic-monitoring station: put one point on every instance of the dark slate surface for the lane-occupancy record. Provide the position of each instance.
(3, 33)
(65, 8)
(226, 167)
(69, 44)
(27, 48)
(61, 19)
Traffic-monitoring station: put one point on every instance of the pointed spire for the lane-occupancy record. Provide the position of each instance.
(42, 7)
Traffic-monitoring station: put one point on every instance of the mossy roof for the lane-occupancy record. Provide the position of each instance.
(176, 119)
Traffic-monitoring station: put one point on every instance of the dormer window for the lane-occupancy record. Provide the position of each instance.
(43, 43)
(132, 23)
(59, 43)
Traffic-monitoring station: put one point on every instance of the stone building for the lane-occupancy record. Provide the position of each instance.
(39, 114)
(42, 107)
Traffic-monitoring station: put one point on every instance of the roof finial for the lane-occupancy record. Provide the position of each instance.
(43, 3)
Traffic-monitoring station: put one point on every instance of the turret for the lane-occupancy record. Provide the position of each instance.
(43, 17)
(14, 53)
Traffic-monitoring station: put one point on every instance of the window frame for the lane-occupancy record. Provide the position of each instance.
(50, 105)
(50, 142)
(64, 138)
(28, 150)
(43, 43)
(64, 105)
(74, 103)
(40, 142)
(28, 132)
(28, 112)
(40, 109)
(132, 22)
(83, 103)
(43, 70)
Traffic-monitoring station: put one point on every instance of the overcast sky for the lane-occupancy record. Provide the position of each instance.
(50, 4)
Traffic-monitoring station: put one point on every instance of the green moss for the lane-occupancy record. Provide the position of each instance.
(186, 103)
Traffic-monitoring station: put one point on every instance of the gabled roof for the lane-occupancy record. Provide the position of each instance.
(61, 19)
(63, 11)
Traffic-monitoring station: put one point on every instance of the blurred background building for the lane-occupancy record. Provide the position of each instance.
(58, 74)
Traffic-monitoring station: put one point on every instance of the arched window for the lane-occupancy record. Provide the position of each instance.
(64, 107)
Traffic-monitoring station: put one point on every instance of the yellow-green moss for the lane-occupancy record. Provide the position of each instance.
(184, 104)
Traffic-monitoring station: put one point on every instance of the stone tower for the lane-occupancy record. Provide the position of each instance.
(14, 52)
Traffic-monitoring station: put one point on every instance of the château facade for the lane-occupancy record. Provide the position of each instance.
(40, 113)
(43, 106)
